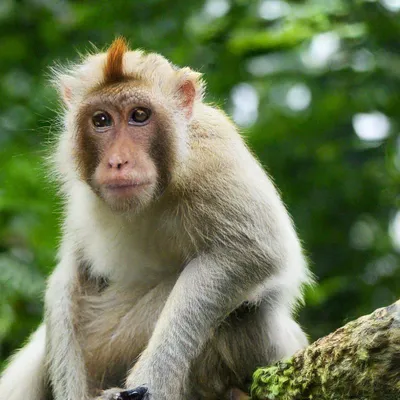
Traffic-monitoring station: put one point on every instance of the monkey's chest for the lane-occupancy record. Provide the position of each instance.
(132, 257)
(115, 327)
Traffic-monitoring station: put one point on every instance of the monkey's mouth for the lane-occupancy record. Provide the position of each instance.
(119, 186)
(126, 189)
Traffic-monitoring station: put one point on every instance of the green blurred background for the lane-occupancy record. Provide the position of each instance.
(314, 86)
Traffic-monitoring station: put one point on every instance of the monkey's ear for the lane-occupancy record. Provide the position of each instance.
(190, 89)
(64, 85)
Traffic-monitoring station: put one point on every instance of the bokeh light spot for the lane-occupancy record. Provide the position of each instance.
(273, 9)
(245, 104)
(298, 97)
(372, 126)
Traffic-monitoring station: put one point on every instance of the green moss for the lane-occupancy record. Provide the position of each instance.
(358, 361)
(279, 382)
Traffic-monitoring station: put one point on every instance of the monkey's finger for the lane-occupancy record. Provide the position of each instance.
(236, 394)
(138, 393)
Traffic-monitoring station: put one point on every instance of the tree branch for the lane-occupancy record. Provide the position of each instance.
(359, 361)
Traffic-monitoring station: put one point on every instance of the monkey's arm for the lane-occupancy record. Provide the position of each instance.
(66, 365)
(24, 378)
(207, 291)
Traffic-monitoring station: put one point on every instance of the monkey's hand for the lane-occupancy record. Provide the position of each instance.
(139, 393)
(160, 385)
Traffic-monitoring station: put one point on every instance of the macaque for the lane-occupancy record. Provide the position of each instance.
(179, 267)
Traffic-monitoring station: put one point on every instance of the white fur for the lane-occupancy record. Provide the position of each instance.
(25, 377)
(121, 241)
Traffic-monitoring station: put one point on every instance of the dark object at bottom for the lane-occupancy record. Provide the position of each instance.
(135, 394)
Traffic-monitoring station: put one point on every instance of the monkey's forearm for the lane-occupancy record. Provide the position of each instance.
(202, 297)
(66, 365)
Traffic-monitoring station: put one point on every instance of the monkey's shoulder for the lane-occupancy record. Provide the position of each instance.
(220, 167)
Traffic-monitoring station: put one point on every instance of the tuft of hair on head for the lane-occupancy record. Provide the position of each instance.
(113, 68)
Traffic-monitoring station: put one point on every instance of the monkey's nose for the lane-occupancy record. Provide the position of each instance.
(117, 163)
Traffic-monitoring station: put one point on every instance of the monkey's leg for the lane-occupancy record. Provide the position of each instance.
(251, 336)
(25, 378)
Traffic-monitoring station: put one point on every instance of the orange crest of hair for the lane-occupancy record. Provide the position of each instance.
(113, 69)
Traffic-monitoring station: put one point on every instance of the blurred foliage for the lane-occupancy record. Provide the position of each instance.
(314, 85)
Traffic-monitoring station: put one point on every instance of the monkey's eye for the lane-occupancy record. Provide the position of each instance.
(102, 119)
(139, 116)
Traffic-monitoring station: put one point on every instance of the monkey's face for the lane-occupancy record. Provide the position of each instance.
(123, 148)
(127, 117)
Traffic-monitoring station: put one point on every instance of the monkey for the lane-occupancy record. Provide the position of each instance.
(179, 267)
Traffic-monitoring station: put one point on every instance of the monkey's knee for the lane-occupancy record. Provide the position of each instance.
(236, 349)
(285, 336)
(251, 337)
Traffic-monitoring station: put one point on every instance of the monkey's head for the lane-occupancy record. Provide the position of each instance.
(126, 117)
